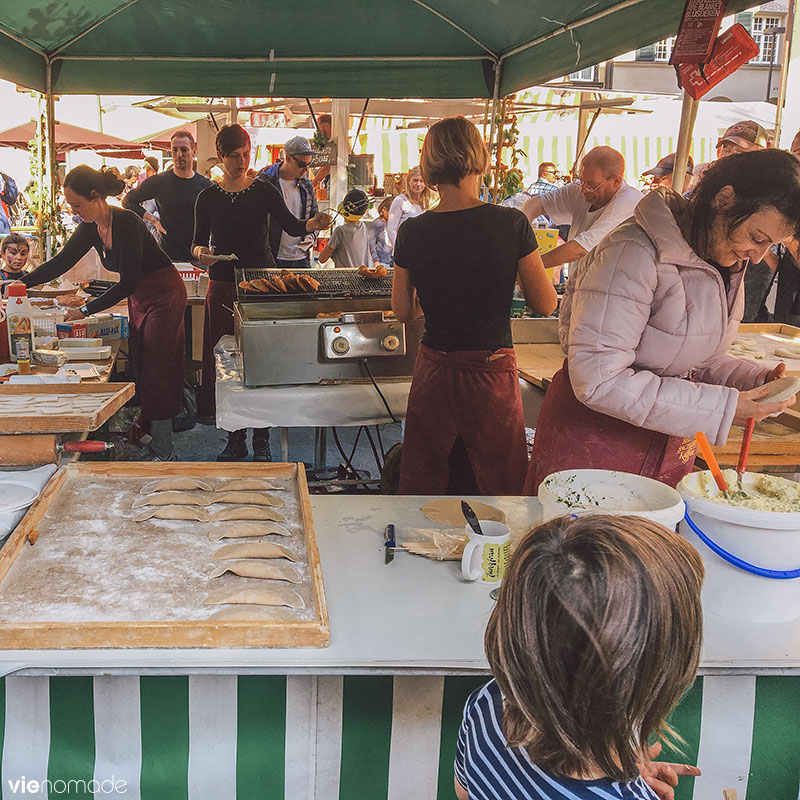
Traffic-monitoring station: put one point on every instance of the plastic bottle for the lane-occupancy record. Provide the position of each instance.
(19, 318)
(3, 334)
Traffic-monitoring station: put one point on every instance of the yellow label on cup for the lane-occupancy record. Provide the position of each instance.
(495, 561)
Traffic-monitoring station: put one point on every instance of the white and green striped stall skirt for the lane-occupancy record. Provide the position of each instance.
(323, 738)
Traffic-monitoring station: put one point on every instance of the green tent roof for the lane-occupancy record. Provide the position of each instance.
(338, 48)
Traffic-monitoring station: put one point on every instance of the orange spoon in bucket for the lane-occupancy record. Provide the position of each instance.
(711, 460)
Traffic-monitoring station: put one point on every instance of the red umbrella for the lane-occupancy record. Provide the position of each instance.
(71, 137)
(161, 140)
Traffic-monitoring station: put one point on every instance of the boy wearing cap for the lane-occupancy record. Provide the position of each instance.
(289, 177)
(349, 245)
(662, 172)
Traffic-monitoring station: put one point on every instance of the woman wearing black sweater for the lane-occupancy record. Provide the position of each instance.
(232, 217)
(156, 296)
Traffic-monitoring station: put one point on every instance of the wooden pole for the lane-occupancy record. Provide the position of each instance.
(688, 117)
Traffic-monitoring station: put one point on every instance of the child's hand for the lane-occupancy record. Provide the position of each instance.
(662, 776)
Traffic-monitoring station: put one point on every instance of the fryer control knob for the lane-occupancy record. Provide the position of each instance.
(391, 342)
(340, 345)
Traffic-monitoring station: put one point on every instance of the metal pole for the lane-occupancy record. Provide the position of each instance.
(360, 122)
(51, 154)
(495, 99)
(688, 116)
(771, 65)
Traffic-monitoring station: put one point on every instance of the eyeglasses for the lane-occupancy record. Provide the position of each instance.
(302, 164)
(593, 189)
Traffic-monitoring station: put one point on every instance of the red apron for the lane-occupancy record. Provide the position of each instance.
(156, 345)
(569, 435)
(218, 322)
(465, 394)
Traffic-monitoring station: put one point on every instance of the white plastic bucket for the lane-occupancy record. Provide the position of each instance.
(769, 540)
(603, 491)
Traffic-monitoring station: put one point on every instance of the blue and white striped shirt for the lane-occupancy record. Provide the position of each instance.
(490, 770)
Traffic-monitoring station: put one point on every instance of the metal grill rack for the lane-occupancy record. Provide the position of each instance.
(334, 284)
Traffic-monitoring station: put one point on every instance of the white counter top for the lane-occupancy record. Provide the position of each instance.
(410, 616)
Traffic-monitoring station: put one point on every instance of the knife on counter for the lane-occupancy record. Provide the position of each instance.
(389, 543)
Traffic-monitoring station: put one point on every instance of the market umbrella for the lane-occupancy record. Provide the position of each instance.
(404, 48)
(72, 137)
(162, 139)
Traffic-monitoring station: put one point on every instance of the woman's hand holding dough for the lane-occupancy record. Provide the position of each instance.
(748, 407)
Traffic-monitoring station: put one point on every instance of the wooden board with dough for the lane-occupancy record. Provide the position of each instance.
(102, 574)
(769, 342)
(60, 407)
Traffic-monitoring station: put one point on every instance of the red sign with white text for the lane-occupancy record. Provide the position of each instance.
(732, 49)
(698, 30)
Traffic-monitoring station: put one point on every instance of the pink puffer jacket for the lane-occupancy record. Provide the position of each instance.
(646, 311)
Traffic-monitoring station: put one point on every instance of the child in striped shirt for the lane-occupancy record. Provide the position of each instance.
(595, 637)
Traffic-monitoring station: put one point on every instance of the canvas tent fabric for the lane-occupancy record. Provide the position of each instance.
(392, 48)
(72, 137)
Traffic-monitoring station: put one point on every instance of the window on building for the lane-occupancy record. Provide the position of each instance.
(769, 45)
(663, 49)
(585, 75)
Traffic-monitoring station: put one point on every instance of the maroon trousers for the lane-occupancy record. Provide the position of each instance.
(473, 394)
(569, 435)
(218, 322)
(156, 312)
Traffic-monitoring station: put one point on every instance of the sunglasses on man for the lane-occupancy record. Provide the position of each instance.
(302, 164)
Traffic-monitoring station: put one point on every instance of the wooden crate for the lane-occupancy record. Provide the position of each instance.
(78, 572)
(110, 398)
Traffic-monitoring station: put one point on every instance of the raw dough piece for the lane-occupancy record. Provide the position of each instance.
(252, 498)
(253, 550)
(249, 485)
(243, 530)
(175, 485)
(787, 351)
(780, 390)
(254, 614)
(447, 511)
(256, 595)
(172, 499)
(173, 512)
(247, 512)
(747, 344)
(256, 568)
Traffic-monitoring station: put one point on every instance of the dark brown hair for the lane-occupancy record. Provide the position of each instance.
(385, 203)
(759, 178)
(230, 138)
(453, 148)
(84, 181)
(14, 238)
(595, 636)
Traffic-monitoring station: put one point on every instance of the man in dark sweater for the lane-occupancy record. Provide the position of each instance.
(174, 192)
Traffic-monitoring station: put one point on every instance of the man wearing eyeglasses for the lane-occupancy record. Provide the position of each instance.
(290, 178)
(592, 206)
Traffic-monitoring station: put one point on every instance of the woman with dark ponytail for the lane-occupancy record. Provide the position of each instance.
(155, 291)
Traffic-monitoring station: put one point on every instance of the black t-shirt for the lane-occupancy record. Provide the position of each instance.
(133, 254)
(463, 265)
(175, 198)
(238, 222)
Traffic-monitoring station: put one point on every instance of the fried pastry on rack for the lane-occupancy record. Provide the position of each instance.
(372, 273)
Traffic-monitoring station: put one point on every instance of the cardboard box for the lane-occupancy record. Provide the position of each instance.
(105, 326)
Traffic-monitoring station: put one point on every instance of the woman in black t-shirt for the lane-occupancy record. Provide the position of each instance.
(458, 265)
(155, 291)
(232, 217)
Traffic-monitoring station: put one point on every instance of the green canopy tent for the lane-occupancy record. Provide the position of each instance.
(347, 48)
